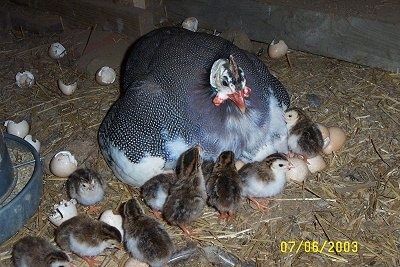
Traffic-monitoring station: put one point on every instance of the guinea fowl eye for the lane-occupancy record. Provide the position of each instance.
(281, 165)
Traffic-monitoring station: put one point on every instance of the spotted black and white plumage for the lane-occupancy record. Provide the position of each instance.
(304, 136)
(32, 251)
(166, 106)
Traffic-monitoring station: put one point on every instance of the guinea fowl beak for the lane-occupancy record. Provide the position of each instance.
(238, 98)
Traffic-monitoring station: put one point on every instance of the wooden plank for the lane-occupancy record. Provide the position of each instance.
(20, 18)
(359, 40)
(122, 19)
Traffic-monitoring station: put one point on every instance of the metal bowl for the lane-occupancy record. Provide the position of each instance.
(15, 213)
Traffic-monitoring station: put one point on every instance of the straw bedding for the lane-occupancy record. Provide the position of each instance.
(355, 199)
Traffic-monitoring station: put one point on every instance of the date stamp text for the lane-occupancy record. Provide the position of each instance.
(319, 247)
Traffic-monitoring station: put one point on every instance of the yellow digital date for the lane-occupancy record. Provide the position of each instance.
(319, 247)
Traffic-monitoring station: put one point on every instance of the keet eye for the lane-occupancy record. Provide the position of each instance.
(224, 83)
(281, 165)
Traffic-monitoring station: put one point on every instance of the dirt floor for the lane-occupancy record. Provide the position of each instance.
(346, 215)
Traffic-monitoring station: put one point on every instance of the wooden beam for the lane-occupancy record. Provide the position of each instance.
(19, 18)
(106, 14)
(359, 40)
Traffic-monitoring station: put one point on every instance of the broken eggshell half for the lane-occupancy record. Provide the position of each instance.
(57, 51)
(63, 211)
(105, 75)
(63, 164)
(24, 79)
(67, 89)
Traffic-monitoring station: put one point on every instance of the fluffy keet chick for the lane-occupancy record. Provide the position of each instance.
(224, 186)
(304, 136)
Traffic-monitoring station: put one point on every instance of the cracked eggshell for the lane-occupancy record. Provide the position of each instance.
(325, 134)
(239, 164)
(105, 76)
(337, 140)
(34, 142)
(67, 89)
(63, 164)
(20, 129)
(57, 51)
(24, 79)
(316, 164)
(190, 24)
(277, 50)
(298, 171)
(109, 217)
(63, 211)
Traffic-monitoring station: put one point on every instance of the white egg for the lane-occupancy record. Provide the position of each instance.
(337, 140)
(298, 171)
(34, 142)
(316, 164)
(277, 50)
(20, 129)
(105, 75)
(57, 51)
(63, 164)
(24, 79)
(63, 211)
(109, 217)
(190, 24)
(67, 89)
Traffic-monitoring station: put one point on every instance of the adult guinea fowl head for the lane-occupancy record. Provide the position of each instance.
(182, 88)
(229, 82)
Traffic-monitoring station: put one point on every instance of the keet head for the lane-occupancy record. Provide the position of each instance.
(277, 162)
(133, 209)
(189, 162)
(292, 116)
(226, 159)
(112, 243)
(87, 186)
(58, 259)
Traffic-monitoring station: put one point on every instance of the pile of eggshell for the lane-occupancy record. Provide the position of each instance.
(104, 76)
(21, 129)
(63, 163)
(334, 139)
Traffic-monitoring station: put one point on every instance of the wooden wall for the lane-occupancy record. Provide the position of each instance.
(363, 41)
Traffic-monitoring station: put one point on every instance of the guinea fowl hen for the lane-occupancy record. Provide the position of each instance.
(181, 88)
